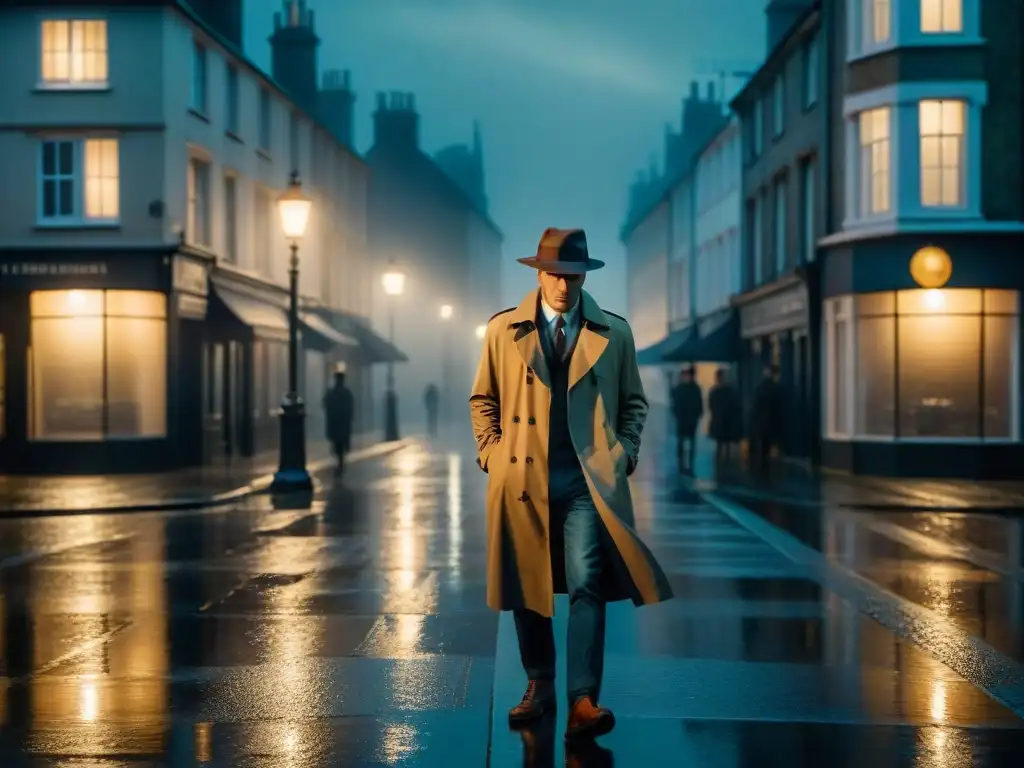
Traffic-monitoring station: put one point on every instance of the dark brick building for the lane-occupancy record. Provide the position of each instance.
(921, 374)
(782, 117)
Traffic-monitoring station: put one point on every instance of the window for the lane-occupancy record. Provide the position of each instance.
(231, 218)
(231, 96)
(781, 233)
(757, 234)
(74, 53)
(293, 141)
(931, 364)
(757, 131)
(875, 161)
(265, 119)
(198, 229)
(79, 181)
(941, 126)
(97, 365)
(198, 77)
(942, 16)
(779, 106)
(811, 64)
(877, 25)
(807, 205)
(261, 231)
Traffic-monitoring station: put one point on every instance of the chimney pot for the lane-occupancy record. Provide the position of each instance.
(711, 91)
(694, 90)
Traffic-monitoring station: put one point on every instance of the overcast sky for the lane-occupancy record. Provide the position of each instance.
(572, 95)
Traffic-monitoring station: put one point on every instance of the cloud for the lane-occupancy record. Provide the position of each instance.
(569, 50)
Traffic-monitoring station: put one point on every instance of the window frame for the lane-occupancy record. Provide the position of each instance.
(265, 119)
(811, 70)
(779, 106)
(845, 308)
(941, 136)
(231, 98)
(905, 29)
(70, 84)
(79, 218)
(780, 223)
(199, 93)
(195, 160)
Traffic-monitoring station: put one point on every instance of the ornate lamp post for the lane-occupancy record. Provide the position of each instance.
(292, 475)
(394, 284)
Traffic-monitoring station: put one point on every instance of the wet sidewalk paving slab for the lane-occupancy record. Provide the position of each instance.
(756, 663)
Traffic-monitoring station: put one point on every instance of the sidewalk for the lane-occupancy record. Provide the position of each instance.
(193, 488)
(795, 483)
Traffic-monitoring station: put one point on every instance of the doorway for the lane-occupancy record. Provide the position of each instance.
(3, 388)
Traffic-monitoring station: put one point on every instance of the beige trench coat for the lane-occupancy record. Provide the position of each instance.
(509, 406)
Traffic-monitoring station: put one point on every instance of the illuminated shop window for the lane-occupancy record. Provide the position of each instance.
(938, 364)
(97, 365)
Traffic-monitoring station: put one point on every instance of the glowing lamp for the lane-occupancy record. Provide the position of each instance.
(393, 282)
(294, 208)
(481, 331)
(935, 299)
(931, 267)
(446, 311)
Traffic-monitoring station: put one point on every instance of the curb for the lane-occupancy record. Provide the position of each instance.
(254, 487)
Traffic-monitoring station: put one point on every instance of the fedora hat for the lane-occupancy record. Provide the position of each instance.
(563, 251)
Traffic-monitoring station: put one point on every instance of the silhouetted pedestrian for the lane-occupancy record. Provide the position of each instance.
(767, 419)
(339, 407)
(687, 408)
(430, 401)
(725, 426)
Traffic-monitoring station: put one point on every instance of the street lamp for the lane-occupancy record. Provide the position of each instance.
(394, 284)
(481, 331)
(446, 360)
(292, 475)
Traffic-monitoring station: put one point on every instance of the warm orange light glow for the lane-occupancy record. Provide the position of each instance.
(393, 282)
(935, 299)
(446, 311)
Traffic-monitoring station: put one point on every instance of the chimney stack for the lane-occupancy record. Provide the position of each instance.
(294, 53)
(336, 105)
(395, 122)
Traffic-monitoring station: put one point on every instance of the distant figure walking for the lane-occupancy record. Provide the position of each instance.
(767, 419)
(339, 406)
(726, 426)
(430, 400)
(687, 408)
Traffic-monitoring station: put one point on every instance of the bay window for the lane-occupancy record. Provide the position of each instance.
(930, 365)
(879, 25)
(942, 16)
(97, 365)
(875, 161)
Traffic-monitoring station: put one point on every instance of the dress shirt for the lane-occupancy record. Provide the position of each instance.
(571, 324)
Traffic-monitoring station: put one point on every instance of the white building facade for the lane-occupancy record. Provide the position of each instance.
(143, 270)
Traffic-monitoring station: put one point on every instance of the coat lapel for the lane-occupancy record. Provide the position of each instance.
(527, 338)
(592, 342)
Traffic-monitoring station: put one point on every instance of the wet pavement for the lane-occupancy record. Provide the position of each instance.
(189, 488)
(355, 633)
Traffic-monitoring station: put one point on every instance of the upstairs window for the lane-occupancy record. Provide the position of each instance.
(79, 181)
(231, 97)
(265, 120)
(74, 53)
(198, 101)
(938, 16)
(942, 151)
(875, 161)
(877, 25)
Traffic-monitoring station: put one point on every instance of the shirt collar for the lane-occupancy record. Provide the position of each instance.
(550, 315)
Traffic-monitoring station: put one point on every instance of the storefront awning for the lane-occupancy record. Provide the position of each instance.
(322, 335)
(668, 349)
(718, 338)
(372, 347)
(263, 317)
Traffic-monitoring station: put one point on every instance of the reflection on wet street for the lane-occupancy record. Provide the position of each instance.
(355, 634)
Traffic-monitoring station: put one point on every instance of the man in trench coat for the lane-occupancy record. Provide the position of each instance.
(557, 409)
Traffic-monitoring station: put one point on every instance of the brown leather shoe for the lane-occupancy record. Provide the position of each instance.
(538, 699)
(587, 720)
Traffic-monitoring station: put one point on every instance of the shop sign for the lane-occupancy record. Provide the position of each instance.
(190, 276)
(780, 312)
(191, 307)
(52, 269)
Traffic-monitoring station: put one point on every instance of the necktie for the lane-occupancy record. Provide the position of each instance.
(560, 337)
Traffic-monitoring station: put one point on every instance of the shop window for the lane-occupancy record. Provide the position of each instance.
(97, 365)
(931, 364)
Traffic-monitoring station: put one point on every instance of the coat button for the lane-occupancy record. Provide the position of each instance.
(531, 421)
(513, 459)
(525, 496)
(515, 419)
(529, 459)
